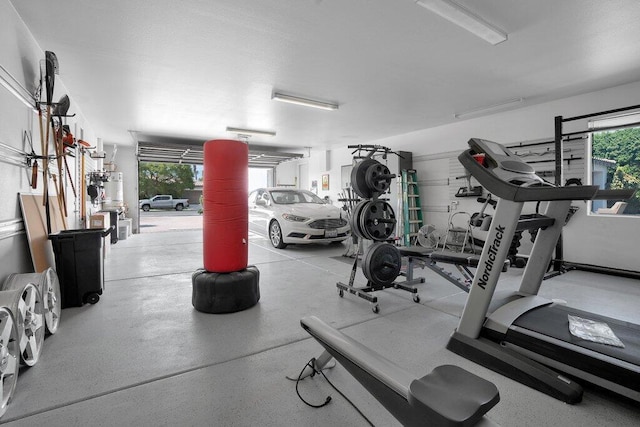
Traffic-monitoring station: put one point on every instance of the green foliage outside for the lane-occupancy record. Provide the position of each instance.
(623, 146)
(163, 178)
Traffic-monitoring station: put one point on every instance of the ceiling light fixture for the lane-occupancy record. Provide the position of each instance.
(249, 132)
(323, 105)
(462, 17)
(489, 108)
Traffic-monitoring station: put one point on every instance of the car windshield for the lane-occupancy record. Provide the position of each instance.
(287, 197)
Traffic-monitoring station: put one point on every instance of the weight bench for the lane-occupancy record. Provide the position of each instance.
(448, 396)
(427, 257)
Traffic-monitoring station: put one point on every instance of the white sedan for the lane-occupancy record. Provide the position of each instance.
(295, 216)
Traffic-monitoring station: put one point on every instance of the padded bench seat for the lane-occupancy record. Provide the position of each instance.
(453, 396)
(416, 251)
(446, 257)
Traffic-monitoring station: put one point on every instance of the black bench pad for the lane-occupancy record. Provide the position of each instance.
(453, 396)
(416, 251)
(449, 257)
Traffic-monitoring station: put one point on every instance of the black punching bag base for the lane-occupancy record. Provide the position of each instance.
(225, 292)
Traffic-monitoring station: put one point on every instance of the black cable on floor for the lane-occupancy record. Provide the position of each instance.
(311, 364)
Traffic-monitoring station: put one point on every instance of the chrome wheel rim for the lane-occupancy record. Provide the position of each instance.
(49, 287)
(9, 354)
(51, 301)
(26, 307)
(275, 234)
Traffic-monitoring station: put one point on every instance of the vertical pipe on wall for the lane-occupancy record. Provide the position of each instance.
(557, 264)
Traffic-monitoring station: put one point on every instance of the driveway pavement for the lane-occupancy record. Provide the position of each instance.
(157, 220)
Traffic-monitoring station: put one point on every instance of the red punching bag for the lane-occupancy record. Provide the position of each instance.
(224, 194)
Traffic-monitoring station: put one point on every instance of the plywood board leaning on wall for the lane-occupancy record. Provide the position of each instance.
(35, 223)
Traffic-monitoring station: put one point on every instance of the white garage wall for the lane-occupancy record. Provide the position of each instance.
(602, 241)
(20, 56)
(588, 239)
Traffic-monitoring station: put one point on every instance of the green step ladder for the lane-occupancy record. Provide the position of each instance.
(411, 207)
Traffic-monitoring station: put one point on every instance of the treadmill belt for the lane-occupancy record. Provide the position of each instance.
(553, 321)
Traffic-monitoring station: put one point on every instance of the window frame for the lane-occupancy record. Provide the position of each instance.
(614, 124)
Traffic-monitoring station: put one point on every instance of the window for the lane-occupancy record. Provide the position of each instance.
(615, 162)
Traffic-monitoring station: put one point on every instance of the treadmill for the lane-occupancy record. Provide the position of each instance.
(522, 335)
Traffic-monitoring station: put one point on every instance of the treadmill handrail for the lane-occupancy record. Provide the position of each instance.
(516, 193)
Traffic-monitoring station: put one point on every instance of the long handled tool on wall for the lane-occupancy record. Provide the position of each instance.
(51, 69)
(83, 201)
(59, 110)
(68, 142)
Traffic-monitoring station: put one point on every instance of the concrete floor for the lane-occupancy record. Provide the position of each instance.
(143, 356)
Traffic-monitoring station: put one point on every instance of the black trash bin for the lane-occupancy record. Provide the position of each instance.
(79, 264)
(113, 216)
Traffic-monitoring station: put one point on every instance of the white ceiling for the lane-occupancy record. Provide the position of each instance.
(188, 69)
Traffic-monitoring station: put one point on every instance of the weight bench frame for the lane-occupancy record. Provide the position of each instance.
(425, 257)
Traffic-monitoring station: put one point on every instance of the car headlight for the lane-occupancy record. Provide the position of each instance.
(294, 218)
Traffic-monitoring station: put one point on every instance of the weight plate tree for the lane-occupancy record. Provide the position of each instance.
(9, 357)
(374, 219)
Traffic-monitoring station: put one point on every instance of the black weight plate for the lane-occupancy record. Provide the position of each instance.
(377, 178)
(359, 178)
(355, 219)
(365, 262)
(381, 264)
(377, 220)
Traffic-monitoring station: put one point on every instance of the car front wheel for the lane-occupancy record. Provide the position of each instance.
(275, 235)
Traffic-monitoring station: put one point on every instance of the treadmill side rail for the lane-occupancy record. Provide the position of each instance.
(502, 318)
(515, 366)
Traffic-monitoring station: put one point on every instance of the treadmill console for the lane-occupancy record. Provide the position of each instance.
(506, 176)
(505, 164)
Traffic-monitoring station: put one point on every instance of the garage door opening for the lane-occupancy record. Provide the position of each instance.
(166, 178)
(169, 196)
(259, 177)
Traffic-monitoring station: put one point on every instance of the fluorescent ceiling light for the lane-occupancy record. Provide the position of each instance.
(249, 132)
(304, 101)
(489, 108)
(462, 17)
